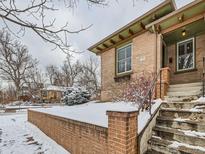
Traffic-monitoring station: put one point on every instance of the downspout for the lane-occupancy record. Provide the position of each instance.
(156, 47)
(156, 52)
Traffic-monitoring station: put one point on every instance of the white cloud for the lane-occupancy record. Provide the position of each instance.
(105, 20)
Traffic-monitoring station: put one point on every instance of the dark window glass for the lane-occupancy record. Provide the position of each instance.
(124, 59)
(185, 55)
(121, 54)
(189, 47)
(181, 49)
(121, 66)
(128, 64)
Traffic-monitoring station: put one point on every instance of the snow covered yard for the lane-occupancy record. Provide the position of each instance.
(17, 136)
(95, 113)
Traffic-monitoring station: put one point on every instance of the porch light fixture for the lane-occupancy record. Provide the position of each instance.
(184, 33)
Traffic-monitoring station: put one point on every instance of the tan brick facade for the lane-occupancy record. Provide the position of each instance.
(192, 76)
(145, 48)
(83, 138)
(146, 56)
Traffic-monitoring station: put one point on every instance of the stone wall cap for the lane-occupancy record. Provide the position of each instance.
(130, 113)
(165, 68)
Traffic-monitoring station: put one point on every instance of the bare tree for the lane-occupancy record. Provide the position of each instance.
(50, 69)
(35, 81)
(9, 94)
(90, 75)
(33, 15)
(70, 71)
(15, 61)
(54, 74)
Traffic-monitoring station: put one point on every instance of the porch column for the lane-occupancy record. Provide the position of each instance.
(165, 80)
(158, 52)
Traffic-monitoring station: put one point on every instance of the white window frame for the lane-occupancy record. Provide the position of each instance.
(177, 56)
(130, 44)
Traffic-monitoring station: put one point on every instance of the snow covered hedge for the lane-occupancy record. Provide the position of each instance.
(75, 95)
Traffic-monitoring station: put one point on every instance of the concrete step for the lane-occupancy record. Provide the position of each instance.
(178, 89)
(184, 93)
(160, 146)
(179, 105)
(186, 137)
(195, 84)
(192, 114)
(181, 98)
(180, 123)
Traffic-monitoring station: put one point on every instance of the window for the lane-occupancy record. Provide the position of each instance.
(124, 59)
(185, 55)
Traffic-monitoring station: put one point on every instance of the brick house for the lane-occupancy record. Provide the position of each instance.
(165, 38)
(52, 94)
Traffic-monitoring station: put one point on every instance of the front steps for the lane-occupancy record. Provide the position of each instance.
(180, 129)
(184, 92)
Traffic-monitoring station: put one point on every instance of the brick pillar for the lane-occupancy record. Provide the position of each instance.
(122, 132)
(165, 76)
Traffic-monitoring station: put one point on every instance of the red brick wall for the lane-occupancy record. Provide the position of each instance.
(81, 138)
(74, 136)
(122, 132)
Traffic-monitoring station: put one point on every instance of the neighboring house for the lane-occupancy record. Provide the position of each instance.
(52, 94)
(164, 37)
(24, 94)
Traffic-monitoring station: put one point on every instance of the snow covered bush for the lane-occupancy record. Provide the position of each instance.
(75, 95)
(136, 89)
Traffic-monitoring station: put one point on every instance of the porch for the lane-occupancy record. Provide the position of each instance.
(183, 50)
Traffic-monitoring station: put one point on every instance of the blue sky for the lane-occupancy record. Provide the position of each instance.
(105, 20)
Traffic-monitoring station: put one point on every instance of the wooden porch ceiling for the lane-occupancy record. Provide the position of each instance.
(193, 29)
(133, 28)
(186, 15)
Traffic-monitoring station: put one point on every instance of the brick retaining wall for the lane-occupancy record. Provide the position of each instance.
(83, 138)
(74, 136)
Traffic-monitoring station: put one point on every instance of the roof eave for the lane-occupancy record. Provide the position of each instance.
(171, 2)
(157, 22)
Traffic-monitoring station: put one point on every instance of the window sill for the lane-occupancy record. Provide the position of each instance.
(123, 76)
(186, 71)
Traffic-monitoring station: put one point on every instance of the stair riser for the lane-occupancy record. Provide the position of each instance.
(197, 84)
(180, 138)
(178, 105)
(184, 115)
(181, 125)
(158, 149)
(161, 146)
(185, 94)
(181, 99)
(179, 89)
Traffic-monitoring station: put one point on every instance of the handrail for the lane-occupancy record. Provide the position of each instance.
(203, 79)
(149, 93)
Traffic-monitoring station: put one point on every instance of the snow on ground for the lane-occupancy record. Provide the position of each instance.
(200, 100)
(95, 113)
(92, 112)
(180, 119)
(144, 116)
(26, 107)
(176, 144)
(193, 133)
(17, 136)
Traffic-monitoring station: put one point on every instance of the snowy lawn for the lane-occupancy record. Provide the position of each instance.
(17, 136)
(95, 113)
